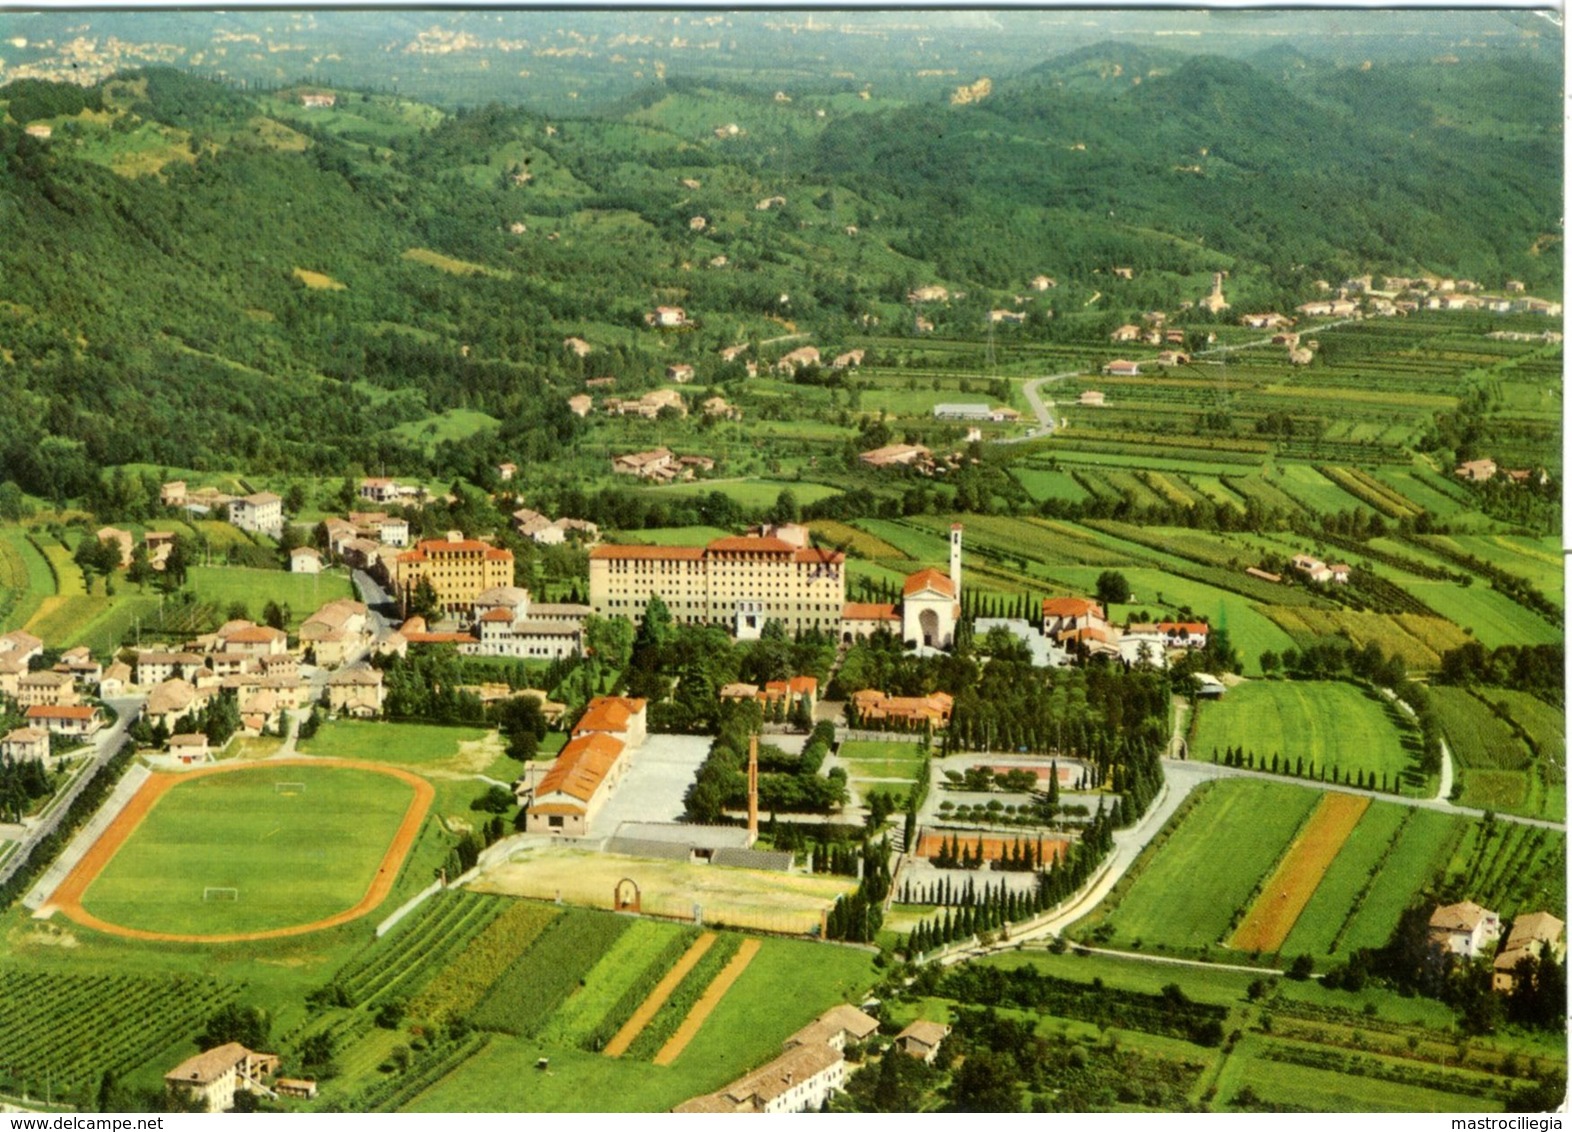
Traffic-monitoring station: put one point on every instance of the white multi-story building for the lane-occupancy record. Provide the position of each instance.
(262, 513)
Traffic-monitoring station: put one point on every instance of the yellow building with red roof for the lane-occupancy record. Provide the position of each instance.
(458, 568)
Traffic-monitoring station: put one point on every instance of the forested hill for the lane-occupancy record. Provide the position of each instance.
(199, 276)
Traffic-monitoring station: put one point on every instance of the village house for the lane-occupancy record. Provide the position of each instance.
(1092, 398)
(849, 360)
(212, 1077)
(1042, 283)
(798, 359)
(305, 560)
(26, 744)
(718, 408)
(78, 721)
(1317, 571)
(1170, 358)
(170, 702)
(256, 641)
(379, 489)
(921, 1039)
(19, 646)
(123, 540)
(643, 464)
(505, 472)
(47, 688)
(79, 665)
(188, 750)
(931, 293)
(1073, 618)
(1476, 471)
(904, 455)
(1120, 367)
(680, 373)
(172, 494)
(1129, 332)
(667, 317)
(356, 692)
(317, 102)
(1184, 634)
(580, 404)
(1532, 935)
(114, 680)
(335, 631)
(802, 1078)
(1464, 929)
(260, 513)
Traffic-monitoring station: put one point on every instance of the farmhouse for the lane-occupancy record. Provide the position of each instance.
(580, 404)
(667, 317)
(681, 373)
(1183, 634)
(1091, 397)
(1464, 929)
(1119, 367)
(457, 568)
(356, 692)
(1532, 935)
(317, 102)
(642, 464)
(931, 293)
(122, 539)
(921, 1039)
(214, 1076)
(802, 1078)
(905, 455)
(738, 582)
(798, 359)
(305, 560)
(1317, 571)
(259, 513)
(1476, 471)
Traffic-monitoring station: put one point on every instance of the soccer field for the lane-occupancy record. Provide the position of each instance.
(252, 850)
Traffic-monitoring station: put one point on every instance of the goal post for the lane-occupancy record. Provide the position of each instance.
(289, 787)
(217, 892)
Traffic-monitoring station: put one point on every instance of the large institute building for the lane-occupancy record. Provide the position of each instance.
(769, 574)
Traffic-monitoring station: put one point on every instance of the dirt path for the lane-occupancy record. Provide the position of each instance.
(68, 897)
(1288, 890)
(708, 1002)
(657, 999)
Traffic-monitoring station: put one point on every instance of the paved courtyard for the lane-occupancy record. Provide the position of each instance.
(660, 774)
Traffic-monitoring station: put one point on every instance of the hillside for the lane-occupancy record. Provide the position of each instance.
(195, 253)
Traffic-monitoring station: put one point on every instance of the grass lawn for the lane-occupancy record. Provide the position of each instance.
(294, 857)
(453, 424)
(1326, 723)
(861, 749)
(415, 746)
(28, 578)
(671, 536)
(303, 594)
(1191, 891)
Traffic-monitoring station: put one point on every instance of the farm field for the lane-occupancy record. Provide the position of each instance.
(302, 594)
(25, 578)
(753, 494)
(1288, 890)
(1327, 724)
(785, 986)
(1318, 930)
(289, 856)
(1190, 892)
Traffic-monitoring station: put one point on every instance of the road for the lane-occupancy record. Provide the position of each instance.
(1044, 409)
(109, 741)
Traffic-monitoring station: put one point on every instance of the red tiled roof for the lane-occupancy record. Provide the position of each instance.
(500, 613)
(868, 611)
(581, 767)
(1070, 607)
(928, 578)
(46, 711)
(629, 552)
(757, 545)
